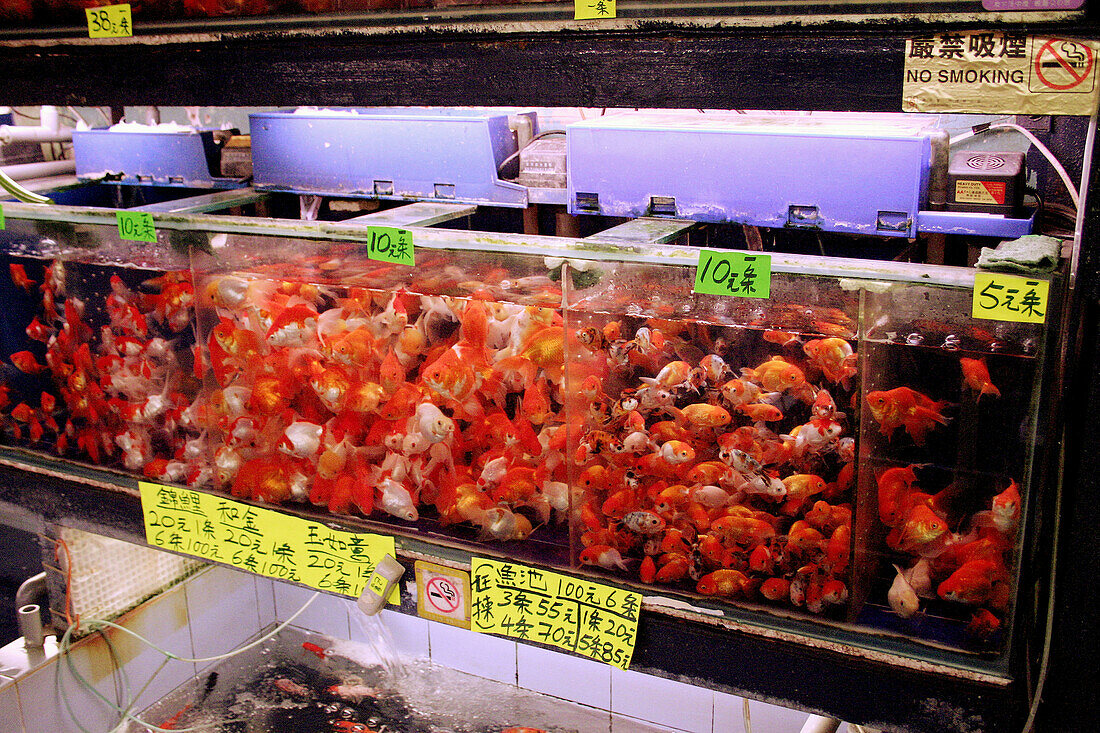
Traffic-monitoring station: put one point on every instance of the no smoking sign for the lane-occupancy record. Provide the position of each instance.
(443, 594)
(1063, 66)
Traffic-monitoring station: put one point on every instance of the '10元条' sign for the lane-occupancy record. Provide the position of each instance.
(527, 603)
(734, 273)
(389, 244)
(260, 540)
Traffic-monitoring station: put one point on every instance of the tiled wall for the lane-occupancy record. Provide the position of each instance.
(218, 609)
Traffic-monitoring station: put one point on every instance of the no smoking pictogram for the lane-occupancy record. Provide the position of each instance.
(1063, 66)
(443, 597)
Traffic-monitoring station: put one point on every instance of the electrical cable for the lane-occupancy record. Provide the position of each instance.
(513, 156)
(1044, 664)
(20, 193)
(977, 130)
(65, 646)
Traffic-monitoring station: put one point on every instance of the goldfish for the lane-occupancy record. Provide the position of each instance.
(775, 589)
(781, 338)
(643, 522)
(25, 362)
(703, 415)
(723, 582)
(1005, 509)
(894, 487)
(975, 583)
(19, 277)
(976, 376)
(759, 411)
(777, 375)
(800, 487)
(919, 531)
(983, 624)
(906, 407)
(677, 452)
(902, 597)
(604, 556)
(834, 356)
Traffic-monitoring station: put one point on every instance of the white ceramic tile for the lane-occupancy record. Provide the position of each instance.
(326, 615)
(662, 701)
(625, 724)
(265, 601)
(563, 675)
(729, 715)
(11, 717)
(222, 605)
(409, 633)
(477, 654)
(42, 696)
(775, 719)
(165, 621)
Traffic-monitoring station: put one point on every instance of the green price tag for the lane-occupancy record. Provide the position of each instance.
(734, 273)
(1000, 297)
(137, 226)
(593, 9)
(1, 217)
(390, 245)
(109, 21)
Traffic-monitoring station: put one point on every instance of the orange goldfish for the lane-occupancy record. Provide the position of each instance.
(775, 589)
(782, 338)
(906, 407)
(976, 376)
(761, 412)
(19, 277)
(706, 416)
(921, 529)
(800, 487)
(894, 487)
(724, 582)
(450, 376)
(1004, 512)
(777, 375)
(975, 583)
(545, 347)
(834, 356)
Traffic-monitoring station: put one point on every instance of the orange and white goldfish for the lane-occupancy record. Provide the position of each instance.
(725, 582)
(976, 376)
(905, 407)
(1004, 512)
(603, 556)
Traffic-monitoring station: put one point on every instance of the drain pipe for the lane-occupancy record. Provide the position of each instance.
(26, 171)
(29, 614)
(820, 724)
(49, 129)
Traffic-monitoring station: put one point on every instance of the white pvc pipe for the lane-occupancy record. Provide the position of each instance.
(820, 724)
(49, 129)
(26, 171)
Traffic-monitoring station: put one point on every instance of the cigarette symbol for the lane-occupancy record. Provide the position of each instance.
(1072, 56)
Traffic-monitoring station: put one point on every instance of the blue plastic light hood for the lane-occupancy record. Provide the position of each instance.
(838, 173)
(151, 158)
(386, 153)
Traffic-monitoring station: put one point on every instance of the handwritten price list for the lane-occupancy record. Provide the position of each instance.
(388, 244)
(734, 273)
(537, 605)
(261, 541)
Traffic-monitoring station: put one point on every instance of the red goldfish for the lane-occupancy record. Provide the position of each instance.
(25, 362)
(905, 407)
(976, 376)
(19, 277)
(975, 583)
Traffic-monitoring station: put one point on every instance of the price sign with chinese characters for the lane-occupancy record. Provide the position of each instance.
(734, 273)
(110, 21)
(390, 245)
(136, 226)
(538, 605)
(261, 541)
(593, 9)
(1000, 297)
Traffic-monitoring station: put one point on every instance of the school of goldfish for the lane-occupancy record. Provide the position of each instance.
(701, 457)
(701, 470)
(944, 552)
(113, 394)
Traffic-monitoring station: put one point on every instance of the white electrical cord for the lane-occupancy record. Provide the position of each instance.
(125, 713)
(1034, 141)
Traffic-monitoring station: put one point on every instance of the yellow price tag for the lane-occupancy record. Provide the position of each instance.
(262, 541)
(531, 604)
(593, 9)
(377, 585)
(1001, 297)
(110, 21)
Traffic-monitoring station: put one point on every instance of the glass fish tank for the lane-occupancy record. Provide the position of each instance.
(851, 457)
